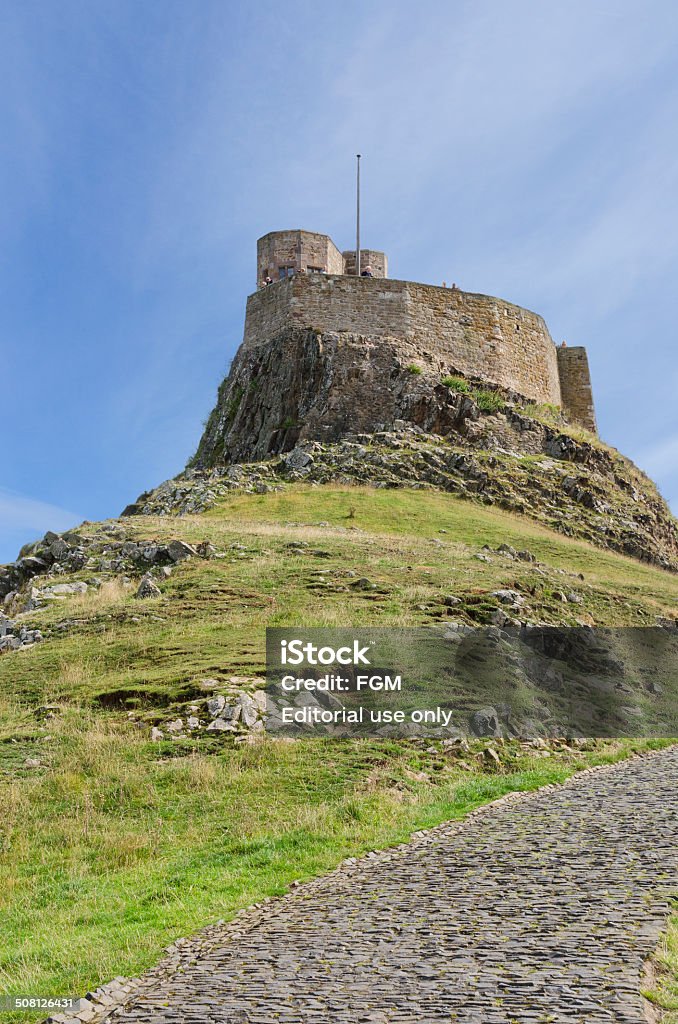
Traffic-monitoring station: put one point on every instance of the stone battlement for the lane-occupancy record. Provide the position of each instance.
(476, 335)
(280, 254)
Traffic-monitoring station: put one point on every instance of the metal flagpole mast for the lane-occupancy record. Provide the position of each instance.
(357, 220)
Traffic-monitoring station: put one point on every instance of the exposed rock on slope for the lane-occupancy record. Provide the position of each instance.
(579, 489)
(108, 552)
(306, 385)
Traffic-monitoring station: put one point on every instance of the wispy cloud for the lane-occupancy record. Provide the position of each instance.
(20, 514)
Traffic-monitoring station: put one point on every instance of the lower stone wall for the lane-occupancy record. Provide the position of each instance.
(575, 387)
(477, 335)
(486, 337)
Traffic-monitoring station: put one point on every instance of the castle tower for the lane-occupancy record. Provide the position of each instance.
(575, 386)
(368, 258)
(280, 254)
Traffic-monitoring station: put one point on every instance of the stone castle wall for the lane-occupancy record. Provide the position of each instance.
(477, 335)
(575, 386)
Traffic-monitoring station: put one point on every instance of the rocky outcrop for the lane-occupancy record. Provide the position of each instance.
(392, 412)
(14, 636)
(579, 489)
(32, 581)
(310, 386)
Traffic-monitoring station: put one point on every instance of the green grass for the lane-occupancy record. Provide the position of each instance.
(415, 546)
(545, 412)
(116, 846)
(120, 846)
(457, 384)
(552, 416)
(663, 993)
(487, 401)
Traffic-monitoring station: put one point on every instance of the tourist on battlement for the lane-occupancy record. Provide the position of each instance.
(367, 272)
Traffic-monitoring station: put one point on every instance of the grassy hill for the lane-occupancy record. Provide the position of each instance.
(112, 845)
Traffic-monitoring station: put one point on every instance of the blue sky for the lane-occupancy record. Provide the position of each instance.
(523, 148)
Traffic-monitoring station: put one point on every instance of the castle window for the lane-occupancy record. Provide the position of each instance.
(315, 270)
(284, 272)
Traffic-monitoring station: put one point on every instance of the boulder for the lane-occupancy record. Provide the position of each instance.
(260, 699)
(59, 549)
(485, 722)
(64, 590)
(76, 560)
(216, 705)
(298, 459)
(206, 550)
(31, 565)
(510, 597)
(178, 550)
(9, 643)
(249, 712)
(148, 588)
(29, 636)
(219, 725)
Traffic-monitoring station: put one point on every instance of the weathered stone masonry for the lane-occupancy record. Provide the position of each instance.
(575, 386)
(282, 253)
(473, 334)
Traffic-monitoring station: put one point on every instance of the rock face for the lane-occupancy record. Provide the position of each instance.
(317, 405)
(305, 385)
(32, 581)
(577, 488)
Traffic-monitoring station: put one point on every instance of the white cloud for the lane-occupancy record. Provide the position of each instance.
(19, 513)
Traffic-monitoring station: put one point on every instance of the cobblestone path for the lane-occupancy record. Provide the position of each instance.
(540, 908)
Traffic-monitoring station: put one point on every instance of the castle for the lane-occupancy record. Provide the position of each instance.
(327, 353)
(480, 335)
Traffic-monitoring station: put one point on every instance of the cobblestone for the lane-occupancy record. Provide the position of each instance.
(539, 908)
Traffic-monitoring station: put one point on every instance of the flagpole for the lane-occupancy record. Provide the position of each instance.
(357, 219)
